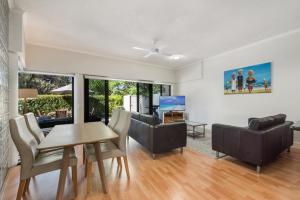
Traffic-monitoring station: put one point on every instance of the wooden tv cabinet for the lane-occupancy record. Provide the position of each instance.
(173, 116)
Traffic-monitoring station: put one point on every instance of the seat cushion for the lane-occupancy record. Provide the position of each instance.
(108, 149)
(50, 161)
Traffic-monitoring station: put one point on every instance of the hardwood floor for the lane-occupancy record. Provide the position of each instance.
(190, 175)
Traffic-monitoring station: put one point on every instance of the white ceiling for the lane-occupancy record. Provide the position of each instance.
(194, 28)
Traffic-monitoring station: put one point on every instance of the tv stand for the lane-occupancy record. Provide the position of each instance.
(173, 116)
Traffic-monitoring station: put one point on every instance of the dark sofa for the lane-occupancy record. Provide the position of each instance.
(156, 137)
(259, 143)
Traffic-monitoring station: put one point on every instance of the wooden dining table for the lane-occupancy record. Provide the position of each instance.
(69, 135)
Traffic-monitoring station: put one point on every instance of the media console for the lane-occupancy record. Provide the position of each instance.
(173, 116)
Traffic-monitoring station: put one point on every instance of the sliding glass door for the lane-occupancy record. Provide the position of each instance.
(144, 99)
(122, 94)
(95, 99)
(102, 96)
(157, 91)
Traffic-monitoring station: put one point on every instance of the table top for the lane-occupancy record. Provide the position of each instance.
(191, 123)
(76, 134)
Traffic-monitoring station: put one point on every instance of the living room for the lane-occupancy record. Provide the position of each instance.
(163, 87)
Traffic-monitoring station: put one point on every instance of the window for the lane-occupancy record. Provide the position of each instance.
(122, 94)
(102, 96)
(144, 93)
(51, 100)
(95, 98)
(165, 90)
(159, 90)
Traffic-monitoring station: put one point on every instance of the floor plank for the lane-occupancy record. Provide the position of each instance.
(190, 175)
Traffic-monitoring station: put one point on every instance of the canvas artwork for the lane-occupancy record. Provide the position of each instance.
(248, 80)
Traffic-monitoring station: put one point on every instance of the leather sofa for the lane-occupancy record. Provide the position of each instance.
(156, 137)
(258, 144)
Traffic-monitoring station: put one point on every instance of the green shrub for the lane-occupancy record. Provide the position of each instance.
(97, 103)
(50, 103)
(47, 103)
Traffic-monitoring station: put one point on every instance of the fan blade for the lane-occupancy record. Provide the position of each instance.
(149, 54)
(139, 48)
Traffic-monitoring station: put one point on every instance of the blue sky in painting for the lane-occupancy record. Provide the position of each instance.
(261, 72)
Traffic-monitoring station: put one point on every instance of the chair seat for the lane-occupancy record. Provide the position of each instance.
(49, 161)
(108, 150)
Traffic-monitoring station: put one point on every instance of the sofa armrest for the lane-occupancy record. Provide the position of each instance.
(239, 142)
(169, 136)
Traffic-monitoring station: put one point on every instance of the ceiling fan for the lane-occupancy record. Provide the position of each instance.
(155, 50)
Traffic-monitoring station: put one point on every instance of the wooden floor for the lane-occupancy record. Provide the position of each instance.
(190, 175)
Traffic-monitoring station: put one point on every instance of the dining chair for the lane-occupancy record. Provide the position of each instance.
(114, 118)
(34, 162)
(111, 149)
(34, 127)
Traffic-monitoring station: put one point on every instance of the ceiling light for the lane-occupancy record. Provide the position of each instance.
(176, 57)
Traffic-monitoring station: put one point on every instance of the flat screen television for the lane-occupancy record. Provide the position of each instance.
(170, 103)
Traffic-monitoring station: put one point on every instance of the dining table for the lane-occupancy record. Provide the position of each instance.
(70, 135)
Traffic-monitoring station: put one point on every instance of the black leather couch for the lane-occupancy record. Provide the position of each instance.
(259, 143)
(156, 137)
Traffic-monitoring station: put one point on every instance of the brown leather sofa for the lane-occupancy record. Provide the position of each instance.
(259, 143)
(156, 137)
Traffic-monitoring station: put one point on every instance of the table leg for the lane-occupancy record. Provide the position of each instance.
(63, 173)
(100, 166)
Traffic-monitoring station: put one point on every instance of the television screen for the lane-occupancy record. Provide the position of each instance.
(172, 103)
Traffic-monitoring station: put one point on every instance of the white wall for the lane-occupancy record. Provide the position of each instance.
(48, 59)
(206, 101)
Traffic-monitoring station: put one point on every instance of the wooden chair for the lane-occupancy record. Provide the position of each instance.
(34, 162)
(111, 149)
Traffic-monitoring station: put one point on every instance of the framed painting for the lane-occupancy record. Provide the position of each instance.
(248, 80)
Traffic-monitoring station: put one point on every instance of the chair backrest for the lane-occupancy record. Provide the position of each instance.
(25, 143)
(122, 128)
(114, 118)
(34, 128)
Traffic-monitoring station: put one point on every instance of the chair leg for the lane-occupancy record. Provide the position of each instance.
(74, 179)
(21, 189)
(83, 157)
(26, 186)
(89, 166)
(85, 170)
(126, 166)
(119, 162)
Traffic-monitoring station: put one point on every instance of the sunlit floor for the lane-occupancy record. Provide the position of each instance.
(190, 175)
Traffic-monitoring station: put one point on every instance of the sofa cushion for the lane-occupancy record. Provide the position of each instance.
(266, 122)
(135, 115)
(279, 119)
(148, 119)
(261, 123)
